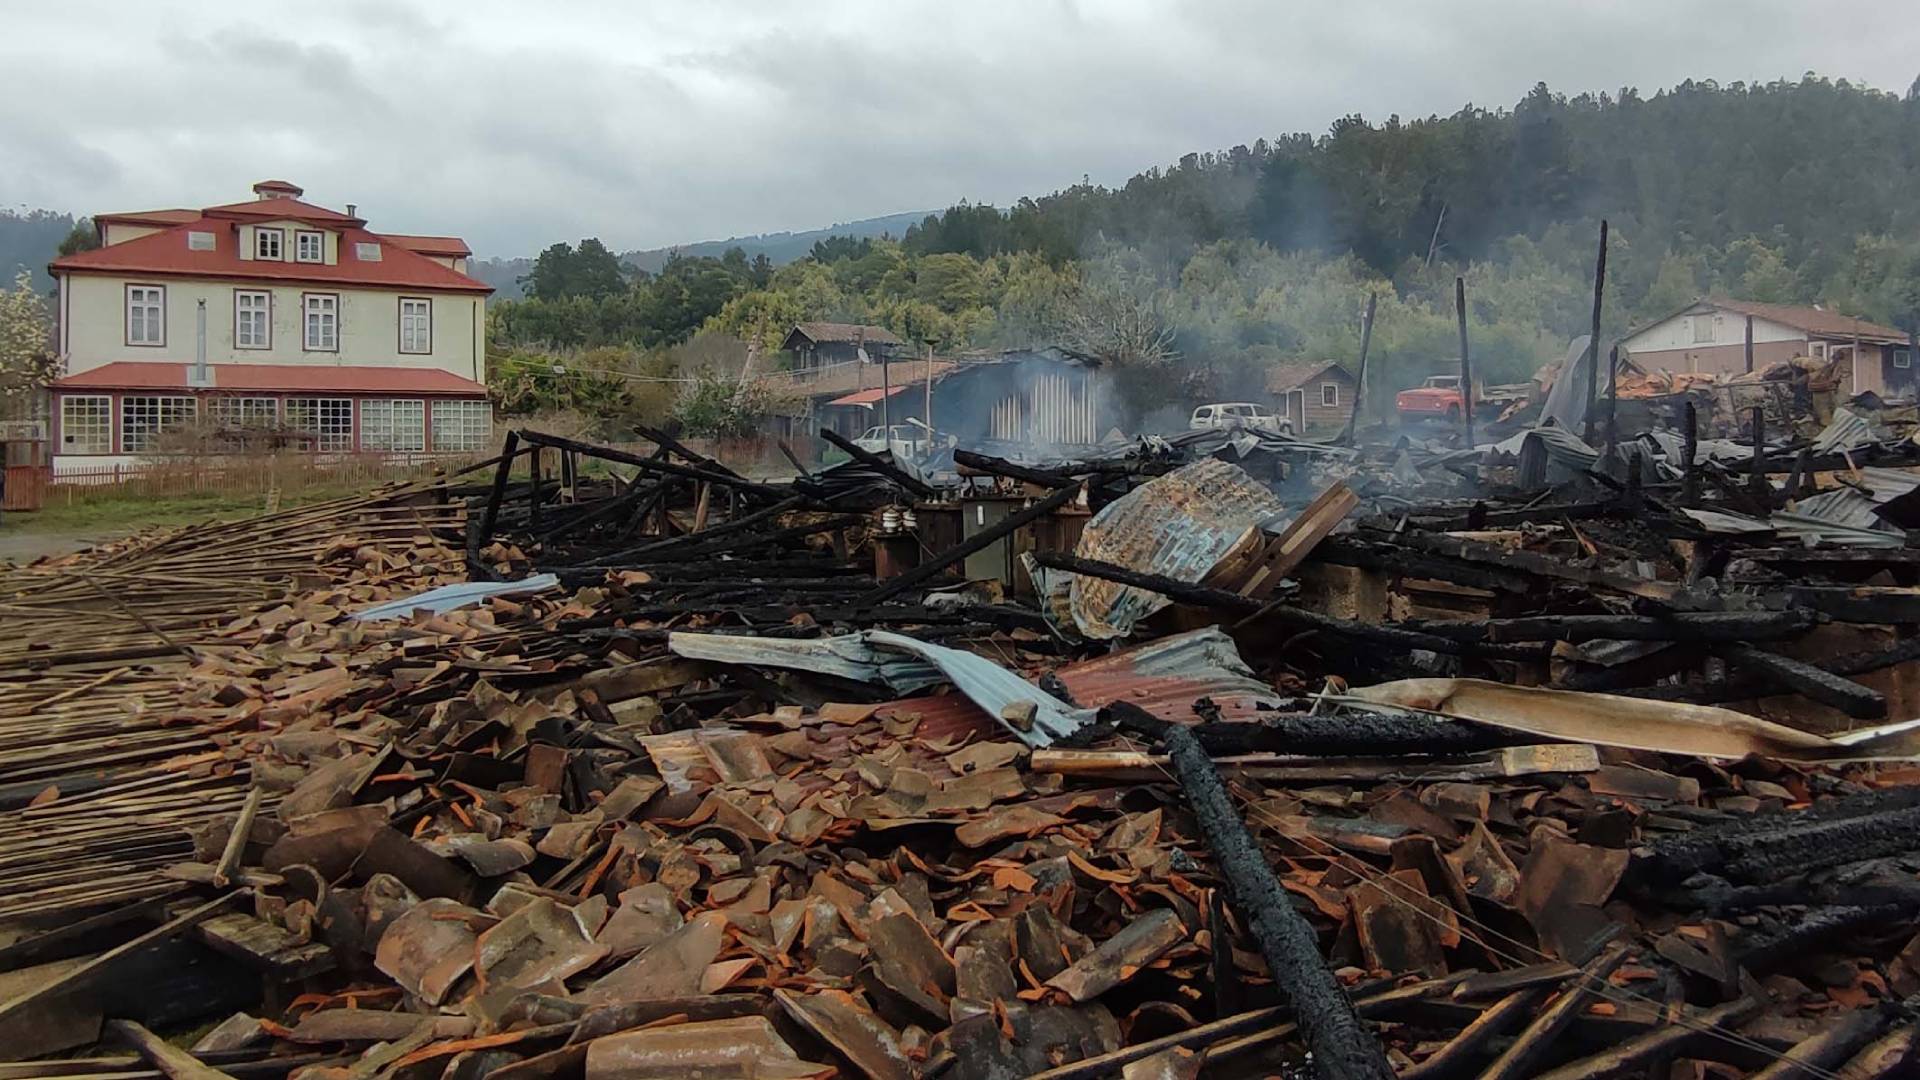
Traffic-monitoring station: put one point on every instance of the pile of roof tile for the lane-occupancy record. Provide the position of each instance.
(728, 810)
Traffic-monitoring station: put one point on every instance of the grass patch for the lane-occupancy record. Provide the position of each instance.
(117, 514)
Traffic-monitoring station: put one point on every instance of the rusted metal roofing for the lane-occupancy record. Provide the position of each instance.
(1179, 525)
(1164, 677)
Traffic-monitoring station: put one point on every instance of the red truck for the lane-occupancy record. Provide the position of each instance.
(1437, 398)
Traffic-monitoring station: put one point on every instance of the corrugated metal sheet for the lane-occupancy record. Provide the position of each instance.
(1164, 677)
(1843, 506)
(453, 597)
(1179, 525)
(1848, 431)
(850, 656)
(1813, 531)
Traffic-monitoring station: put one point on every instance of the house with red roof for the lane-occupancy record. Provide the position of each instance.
(275, 315)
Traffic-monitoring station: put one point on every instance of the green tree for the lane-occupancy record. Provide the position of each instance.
(82, 237)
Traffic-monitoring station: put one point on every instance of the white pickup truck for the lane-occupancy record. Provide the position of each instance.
(1239, 415)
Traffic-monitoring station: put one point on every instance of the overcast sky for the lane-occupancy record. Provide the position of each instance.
(649, 123)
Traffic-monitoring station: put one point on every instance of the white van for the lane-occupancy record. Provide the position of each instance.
(1233, 415)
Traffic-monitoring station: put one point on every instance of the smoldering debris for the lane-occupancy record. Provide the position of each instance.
(1408, 759)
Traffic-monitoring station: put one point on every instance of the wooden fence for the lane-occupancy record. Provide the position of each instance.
(238, 477)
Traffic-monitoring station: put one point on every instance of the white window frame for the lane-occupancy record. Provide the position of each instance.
(1329, 395)
(320, 322)
(90, 414)
(301, 239)
(330, 421)
(269, 245)
(244, 411)
(252, 302)
(393, 425)
(416, 325)
(146, 315)
(143, 417)
(1817, 350)
(462, 426)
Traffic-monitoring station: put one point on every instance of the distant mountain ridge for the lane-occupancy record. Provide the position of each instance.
(780, 247)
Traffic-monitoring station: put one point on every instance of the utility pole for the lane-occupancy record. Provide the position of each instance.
(1593, 336)
(1466, 365)
(1360, 379)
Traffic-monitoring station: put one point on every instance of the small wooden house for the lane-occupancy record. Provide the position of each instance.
(1312, 395)
(817, 347)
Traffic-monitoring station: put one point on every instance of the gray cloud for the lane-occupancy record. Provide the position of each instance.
(516, 125)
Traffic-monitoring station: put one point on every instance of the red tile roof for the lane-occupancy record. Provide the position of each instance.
(150, 217)
(325, 378)
(872, 397)
(167, 253)
(430, 245)
(281, 208)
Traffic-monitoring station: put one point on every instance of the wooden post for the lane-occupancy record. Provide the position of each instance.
(1360, 378)
(1757, 483)
(1855, 367)
(1466, 365)
(1749, 344)
(533, 489)
(929, 405)
(507, 452)
(1593, 336)
(1690, 446)
(1613, 394)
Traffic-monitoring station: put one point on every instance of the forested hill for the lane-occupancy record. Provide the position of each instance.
(1199, 277)
(1807, 166)
(29, 242)
(504, 274)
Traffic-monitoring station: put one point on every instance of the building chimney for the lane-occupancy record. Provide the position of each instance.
(352, 210)
(277, 189)
(200, 375)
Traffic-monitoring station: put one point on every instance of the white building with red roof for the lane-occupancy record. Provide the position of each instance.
(270, 314)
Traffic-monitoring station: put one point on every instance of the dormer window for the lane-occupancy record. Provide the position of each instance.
(269, 244)
(309, 247)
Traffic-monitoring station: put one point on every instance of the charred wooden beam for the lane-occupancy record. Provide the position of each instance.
(1372, 555)
(1475, 1041)
(1640, 1053)
(653, 465)
(1857, 605)
(729, 528)
(1343, 1048)
(1781, 846)
(872, 460)
(667, 442)
(1222, 600)
(1303, 733)
(980, 541)
(793, 459)
(1859, 702)
(1681, 626)
(1012, 470)
(1478, 551)
(508, 450)
(744, 538)
(1758, 683)
(1539, 1036)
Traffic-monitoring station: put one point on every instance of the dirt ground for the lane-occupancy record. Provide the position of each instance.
(19, 545)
